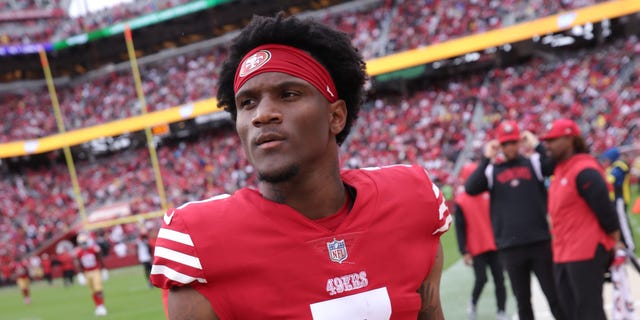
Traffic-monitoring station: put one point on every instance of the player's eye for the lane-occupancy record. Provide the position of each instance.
(289, 94)
(245, 103)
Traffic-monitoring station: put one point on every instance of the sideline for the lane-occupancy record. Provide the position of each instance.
(457, 282)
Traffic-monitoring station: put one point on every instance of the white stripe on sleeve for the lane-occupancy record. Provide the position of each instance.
(436, 191)
(175, 275)
(442, 209)
(178, 257)
(445, 226)
(176, 236)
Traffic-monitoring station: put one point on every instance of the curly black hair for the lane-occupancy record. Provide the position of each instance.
(580, 145)
(329, 47)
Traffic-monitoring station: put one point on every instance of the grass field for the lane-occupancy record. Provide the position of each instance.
(128, 297)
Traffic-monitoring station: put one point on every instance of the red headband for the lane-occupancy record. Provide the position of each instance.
(289, 60)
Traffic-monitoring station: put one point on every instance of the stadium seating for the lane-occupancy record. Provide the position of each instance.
(394, 25)
(61, 26)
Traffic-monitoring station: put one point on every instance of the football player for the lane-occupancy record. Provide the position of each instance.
(313, 241)
(89, 261)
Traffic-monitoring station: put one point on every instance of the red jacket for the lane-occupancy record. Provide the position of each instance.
(479, 234)
(574, 226)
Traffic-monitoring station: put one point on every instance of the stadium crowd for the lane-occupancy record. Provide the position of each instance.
(59, 25)
(376, 28)
(429, 127)
(406, 19)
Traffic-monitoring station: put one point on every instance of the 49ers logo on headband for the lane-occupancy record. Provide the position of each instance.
(254, 62)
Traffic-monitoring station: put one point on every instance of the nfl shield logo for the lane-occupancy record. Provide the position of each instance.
(337, 251)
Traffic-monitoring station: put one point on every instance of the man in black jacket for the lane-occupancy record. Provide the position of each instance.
(518, 210)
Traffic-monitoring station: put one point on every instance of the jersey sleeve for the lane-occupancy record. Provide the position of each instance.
(442, 215)
(175, 262)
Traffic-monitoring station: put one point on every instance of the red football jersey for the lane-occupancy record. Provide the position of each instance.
(256, 259)
(88, 258)
(21, 269)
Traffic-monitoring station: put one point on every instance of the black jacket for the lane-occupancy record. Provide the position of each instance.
(518, 197)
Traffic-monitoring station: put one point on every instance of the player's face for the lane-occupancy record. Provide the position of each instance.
(510, 149)
(558, 148)
(286, 126)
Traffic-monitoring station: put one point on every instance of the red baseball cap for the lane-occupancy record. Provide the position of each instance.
(508, 131)
(560, 128)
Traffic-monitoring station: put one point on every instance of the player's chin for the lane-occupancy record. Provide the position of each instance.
(278, 174)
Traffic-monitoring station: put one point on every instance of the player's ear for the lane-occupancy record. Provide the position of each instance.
(337, 116)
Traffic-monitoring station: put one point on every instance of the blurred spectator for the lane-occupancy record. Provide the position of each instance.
(617, 174)
(477, 244)
(516, 185)
(145, 254)
(6, 272)
(46, 268)
(103, 243)
(584, 222)
(120, 249)
(65, 260)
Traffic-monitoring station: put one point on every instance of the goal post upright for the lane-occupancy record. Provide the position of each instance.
(44, 61)
(143, 106)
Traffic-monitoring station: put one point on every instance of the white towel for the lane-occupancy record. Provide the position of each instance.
(622, 299)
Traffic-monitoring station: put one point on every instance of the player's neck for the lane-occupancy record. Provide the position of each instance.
(313, 198)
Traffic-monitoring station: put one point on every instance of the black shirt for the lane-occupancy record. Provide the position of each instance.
(518, 197)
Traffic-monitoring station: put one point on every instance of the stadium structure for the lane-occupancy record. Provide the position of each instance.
(110, 118)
